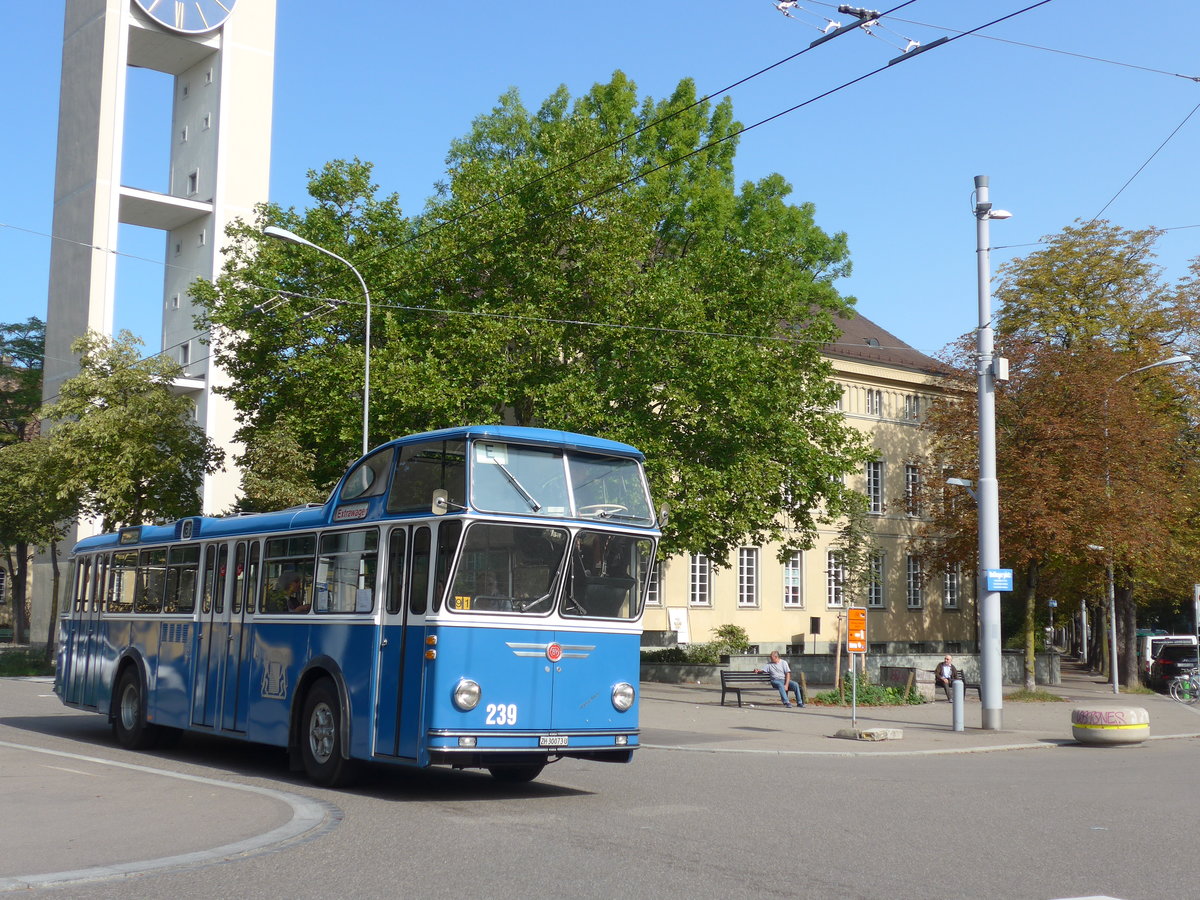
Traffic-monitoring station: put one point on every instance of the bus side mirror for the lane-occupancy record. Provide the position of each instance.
(441, 502)
(664, 513)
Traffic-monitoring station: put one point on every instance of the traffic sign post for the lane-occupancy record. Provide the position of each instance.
(856, 642)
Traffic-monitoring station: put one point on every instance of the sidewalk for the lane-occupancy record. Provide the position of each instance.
(691, 718)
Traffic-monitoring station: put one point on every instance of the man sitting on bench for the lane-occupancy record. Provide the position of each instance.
(781, 679)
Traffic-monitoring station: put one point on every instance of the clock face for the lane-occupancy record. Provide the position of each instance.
(188, 16)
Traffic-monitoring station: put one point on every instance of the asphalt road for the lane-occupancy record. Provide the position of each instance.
(1067, 821)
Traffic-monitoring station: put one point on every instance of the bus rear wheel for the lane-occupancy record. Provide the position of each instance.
(130, 727)
(321, 737)
(516, 774)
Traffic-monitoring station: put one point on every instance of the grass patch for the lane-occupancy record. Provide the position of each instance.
(23, 663)
(1036, 696)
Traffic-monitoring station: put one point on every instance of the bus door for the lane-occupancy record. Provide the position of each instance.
(91, 633)
(235, 683)
(79, 683)
(211, 631)
(401, 649)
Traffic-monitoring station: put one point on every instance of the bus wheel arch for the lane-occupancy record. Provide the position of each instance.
(323, 676)
(131, 727)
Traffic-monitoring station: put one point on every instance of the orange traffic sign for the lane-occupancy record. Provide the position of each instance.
(856, 632)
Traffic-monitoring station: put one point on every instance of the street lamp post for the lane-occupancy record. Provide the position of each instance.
(988, 371)
(284, 235)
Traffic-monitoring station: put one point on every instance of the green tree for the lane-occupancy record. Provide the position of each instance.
(636, 295)
(35, 511)
(131, 449)
(276, 473)
(22, 348)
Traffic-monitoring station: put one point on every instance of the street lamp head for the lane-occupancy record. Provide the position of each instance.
(999, 214)
(284, 235)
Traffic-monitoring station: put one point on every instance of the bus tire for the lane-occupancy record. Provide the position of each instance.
(130, 727)
(516, 774)
(321, 736)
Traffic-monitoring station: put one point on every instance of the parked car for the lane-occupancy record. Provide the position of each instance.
(1148, 646)
(1172, 660)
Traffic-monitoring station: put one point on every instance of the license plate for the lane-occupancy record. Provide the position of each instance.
(552, 740)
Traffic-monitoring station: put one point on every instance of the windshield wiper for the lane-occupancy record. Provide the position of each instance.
(512, 479)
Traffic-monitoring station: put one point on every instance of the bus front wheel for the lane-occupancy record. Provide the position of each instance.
(321, 737)
(130, 727)
(516, 774)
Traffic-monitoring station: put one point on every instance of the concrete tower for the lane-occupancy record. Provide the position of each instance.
(221, 56)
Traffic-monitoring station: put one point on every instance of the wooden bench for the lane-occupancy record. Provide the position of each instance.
(969, 686)
(735, 682)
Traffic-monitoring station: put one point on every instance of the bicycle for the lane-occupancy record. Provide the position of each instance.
(1185, 688)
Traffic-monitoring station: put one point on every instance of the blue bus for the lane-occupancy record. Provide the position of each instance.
(470, 597)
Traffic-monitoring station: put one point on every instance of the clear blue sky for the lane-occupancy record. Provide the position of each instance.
(890, 160)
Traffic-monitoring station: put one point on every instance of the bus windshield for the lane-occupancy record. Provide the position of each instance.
(518, 569)
(608, 575)
(508, 568)
(509, 478)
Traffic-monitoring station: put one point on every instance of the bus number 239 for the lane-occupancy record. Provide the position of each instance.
(502, 714)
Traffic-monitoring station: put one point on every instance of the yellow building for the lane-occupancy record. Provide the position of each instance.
(798, 605)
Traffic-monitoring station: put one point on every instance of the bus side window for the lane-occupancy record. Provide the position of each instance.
(120, 598)
(151, 581)
(83, 586)
(219, 585)
(101, 591)
(395, 579)
(251, 598)
(448, 535)
(239, 578)
(183, 564)
(418, 573)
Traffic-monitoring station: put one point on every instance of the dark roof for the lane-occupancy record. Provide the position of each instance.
(863, 340)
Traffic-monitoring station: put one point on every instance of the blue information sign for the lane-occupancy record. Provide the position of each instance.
(999, 579)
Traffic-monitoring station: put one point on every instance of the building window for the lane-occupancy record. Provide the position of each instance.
(185, 353)
(748, 577)
(206, 122)
(208, 76)
(654, 586)
(793, 583)
(185, 89)
(912, 490)
(698, 588)
(875, 488)
(203, 238)
(951, 584)
(193, 182)
(874, 402)
(183, 134)
(916, 583)
(174, 301)
(835, 579)
(912, 407)
(875, 585)
(178, 247)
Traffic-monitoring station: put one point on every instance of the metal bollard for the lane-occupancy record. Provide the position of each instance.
(958, 692)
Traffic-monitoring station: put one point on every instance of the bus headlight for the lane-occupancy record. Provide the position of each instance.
(622, 696)
(466, 695)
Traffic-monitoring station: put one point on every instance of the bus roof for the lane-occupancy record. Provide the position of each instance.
(318, 515)
(549, 437)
